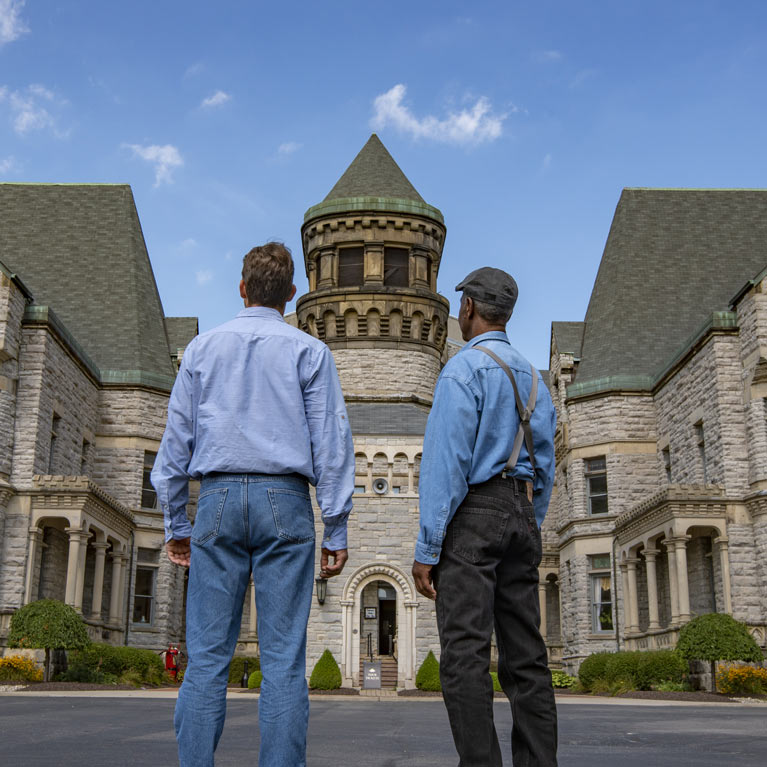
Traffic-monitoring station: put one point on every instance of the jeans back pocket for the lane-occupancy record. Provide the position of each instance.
(210, 507)
(293, 515)
(476, 533)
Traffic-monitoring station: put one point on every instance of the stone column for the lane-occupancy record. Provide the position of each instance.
(627, 611)
(411, 478)
(370, 477)
(328, 269)
(542, 605)
(680, 544)
(252, 624)
(98, 579)
(116, 596)
(76, 540)
(35, 540)
(374, 263)
(419, 267)
(631, 565)
(722, 544)
(349, 645)
(672, 582)
(652, 588)
(81, 571)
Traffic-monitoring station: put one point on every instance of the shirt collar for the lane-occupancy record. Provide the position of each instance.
(264, 312)
(492, 335)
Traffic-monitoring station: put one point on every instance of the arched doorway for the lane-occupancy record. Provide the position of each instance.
(379, 613)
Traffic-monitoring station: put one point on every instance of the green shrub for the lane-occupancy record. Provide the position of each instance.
(18, 668)
(560, 680)
(659, 666)
(237, 667)
(50, 625)
(622, 667)
(427, 677)
(114, 661)
(673, 687)
(741, 680)
(80, 672)
(496, 684)
(717, 636)
(255, 679)
(593, 668)
(326, 674)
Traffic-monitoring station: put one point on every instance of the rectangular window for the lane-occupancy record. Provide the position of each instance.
(143, 601)
(596, 479)
(359, 489)
(701, 441)
(351, 267)
(601, 603)
(666, 455)
(55, 425)
(148, 494)
(396, 267)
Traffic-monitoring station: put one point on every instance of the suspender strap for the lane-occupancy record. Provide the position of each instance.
(525, 431)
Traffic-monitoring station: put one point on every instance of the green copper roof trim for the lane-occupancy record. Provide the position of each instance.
(342, 205)
(716, 321)
(40, 314)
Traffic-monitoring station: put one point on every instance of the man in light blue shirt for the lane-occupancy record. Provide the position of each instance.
(486, 479)
(257, 414)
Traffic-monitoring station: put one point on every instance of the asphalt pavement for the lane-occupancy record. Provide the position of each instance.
(87, 731)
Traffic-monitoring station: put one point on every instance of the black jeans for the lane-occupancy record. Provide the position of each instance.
(487, 578)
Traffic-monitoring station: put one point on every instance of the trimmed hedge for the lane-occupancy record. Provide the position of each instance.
(622, 667)
(427, 677)
(114, 661)
(660, 666)
(717, 636)
(593, 668)
(255, 679)
(237, 667)
(326, 674)
(496, 684)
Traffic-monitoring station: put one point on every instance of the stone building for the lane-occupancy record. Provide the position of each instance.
(659, 511)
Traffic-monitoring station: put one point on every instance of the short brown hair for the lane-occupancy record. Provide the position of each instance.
(268, 274)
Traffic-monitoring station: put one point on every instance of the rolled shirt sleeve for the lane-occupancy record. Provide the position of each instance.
(447, 456)
(332, 449)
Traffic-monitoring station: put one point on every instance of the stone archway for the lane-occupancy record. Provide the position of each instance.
(406, 617)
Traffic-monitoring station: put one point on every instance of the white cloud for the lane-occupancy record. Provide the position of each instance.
(549, 56)
(33, 109)
(203, 276)
(194, 69)
(288, 148)
(469, 126)
(188, 244)
(12, 27)
(7, 165)
(216, 100)
(165, 159)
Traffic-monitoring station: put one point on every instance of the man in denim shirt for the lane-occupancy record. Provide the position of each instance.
(257, 413)
(483, 497)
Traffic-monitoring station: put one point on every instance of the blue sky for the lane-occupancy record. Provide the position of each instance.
(522, 122)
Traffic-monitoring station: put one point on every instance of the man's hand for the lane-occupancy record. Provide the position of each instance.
(179, 551)
(422, 577)
(339, 560)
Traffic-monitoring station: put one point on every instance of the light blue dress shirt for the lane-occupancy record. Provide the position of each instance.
(470, 434)
(257, 396)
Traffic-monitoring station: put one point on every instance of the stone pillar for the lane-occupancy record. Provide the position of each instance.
(252, 624)
(35, 540)
(652, 588)
(390, 477)
(627, 611)
(680, 544)
(98, 579)
(722, 544)
(419, 267)
(116, 596)
(631, 566)
(370, 477)
(542, 605)
(374, 263)
(411, 478)
(81, 571)
(76, 541)
(348, 654)
(328, 269)
(672, 582)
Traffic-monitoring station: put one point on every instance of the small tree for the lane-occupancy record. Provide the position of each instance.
(717, 636)
(326, 674)
(50, 625)
(427, 677)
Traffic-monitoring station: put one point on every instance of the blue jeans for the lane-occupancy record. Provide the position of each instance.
(246, 523)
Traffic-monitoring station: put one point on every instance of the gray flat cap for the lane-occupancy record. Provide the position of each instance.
(491, 286)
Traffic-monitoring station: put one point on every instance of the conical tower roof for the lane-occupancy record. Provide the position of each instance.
(374, 173)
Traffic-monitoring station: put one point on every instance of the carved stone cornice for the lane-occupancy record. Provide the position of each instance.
(757, 503)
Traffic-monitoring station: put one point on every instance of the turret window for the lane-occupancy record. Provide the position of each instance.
(351, 267)
(396, 267)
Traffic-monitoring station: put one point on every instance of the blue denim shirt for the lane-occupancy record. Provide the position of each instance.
(258, 396)
(470, 434)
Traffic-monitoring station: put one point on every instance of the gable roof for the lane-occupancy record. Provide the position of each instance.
(181, 330)
(673, 258)
(79, 249)
(568, 337)
(374, 173)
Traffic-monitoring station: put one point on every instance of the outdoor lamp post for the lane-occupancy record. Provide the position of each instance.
(322, 589)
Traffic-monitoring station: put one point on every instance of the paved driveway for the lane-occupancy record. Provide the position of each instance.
(90, 732)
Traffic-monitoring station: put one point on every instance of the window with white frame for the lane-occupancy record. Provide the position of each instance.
(148, 561)
(148, 493)
(596, 482)
(600, 585)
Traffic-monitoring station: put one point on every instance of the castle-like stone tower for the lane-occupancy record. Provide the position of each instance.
(372, 250)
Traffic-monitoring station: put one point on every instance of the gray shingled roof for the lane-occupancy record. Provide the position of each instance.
(568, 337)
(387, 418)
(672, 258)
(374, 173)
(80, 250)
(181, 330)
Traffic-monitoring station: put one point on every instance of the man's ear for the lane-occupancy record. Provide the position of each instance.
(292, 294)
(243, 292)
(469, 308)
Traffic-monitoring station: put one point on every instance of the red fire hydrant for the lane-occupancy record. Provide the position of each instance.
(171, 660)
